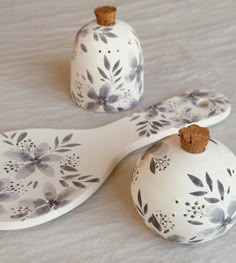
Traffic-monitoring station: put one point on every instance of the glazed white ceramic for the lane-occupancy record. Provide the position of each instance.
(185, 197)
(45, 173)
(106, 67)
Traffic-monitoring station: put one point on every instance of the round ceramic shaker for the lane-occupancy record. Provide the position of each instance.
(185, 190)
(107, 64)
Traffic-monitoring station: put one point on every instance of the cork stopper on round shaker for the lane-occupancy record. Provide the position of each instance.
(105, 15)
(194, 138)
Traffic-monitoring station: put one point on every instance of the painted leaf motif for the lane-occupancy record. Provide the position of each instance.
(139, 199)
(8, 142)
(84, 177)
(209, 181)
(145, 209)
(196, 181)
(72, 145)
(4, 135)
(119, 87)
(107, 29)
(83, 47)
(56, 142)
(68, 177)
(102, 73)
(196, 241)
(78, 184)
(213, 141)
(142, 133)
(194, 222)
(21, 137)
(212, 200)
(94, 180)
(221, 190)
(106, 63)
(67, 138)
(198, 193)
(63, 183)
(229, 171)
(116, 65)
(142, 122)
(18, 216)
(90, 78)
(68, 168)
(95, 36)
(117, 72)
(117, 80)
(153, 166)
(109, 34)
(155, 223)
(35, 184)
(104, 40)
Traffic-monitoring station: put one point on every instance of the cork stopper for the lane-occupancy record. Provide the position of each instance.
(105, 15)
(194, 138)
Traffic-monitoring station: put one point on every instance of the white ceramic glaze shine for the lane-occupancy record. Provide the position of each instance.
(106, 67)
(185, 197)
(45, 173)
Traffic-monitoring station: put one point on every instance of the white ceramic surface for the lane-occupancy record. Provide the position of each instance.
(106, 67)
(45, 173)
(185, 197)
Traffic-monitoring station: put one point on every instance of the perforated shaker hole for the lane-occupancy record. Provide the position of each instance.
(203, 103)
(100, 51)
(109, 51)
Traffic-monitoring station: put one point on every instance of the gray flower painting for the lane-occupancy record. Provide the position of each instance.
(51, 200)
(136, 70)
(39, 159)
(222, 219)
(103, 100)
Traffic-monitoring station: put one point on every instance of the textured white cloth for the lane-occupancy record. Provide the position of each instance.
(186, 44)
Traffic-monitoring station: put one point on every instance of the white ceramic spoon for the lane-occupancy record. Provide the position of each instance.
(44, 173)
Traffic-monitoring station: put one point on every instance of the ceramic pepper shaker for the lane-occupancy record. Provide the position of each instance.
(107, 64)
(184, 187)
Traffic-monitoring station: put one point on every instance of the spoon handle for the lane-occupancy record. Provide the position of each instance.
(203, 107)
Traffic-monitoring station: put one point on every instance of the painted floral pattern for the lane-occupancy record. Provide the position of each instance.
(51, 200)
(188, 108)
(136, 69)
(104, 99)
(159, 220)
(28, 169)
(39, 159)
(205, 208)
(122, 72)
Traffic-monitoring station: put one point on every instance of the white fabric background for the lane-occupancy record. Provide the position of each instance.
(187, 45)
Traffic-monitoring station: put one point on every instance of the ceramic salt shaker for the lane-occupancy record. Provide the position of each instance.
(184, 187)
(107, 64)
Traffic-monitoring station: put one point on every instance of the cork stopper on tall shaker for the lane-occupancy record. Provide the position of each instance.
(105, 15)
